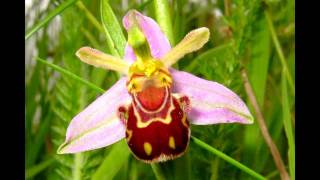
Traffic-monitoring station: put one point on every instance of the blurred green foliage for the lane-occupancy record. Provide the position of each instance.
(240, 38)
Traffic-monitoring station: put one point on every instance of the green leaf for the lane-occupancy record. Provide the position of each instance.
(115, 38)
(34, 170)
(64, 5)
(113, 162)
(158, 171)
(280, 51)
(71, 75)
(257, 72)
(288, 125)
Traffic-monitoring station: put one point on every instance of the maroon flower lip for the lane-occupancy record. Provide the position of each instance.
(154, 119)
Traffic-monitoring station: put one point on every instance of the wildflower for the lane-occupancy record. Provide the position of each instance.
(152, 104)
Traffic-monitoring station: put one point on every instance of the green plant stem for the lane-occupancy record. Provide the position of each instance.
(157, 171)
(195, 140)
(163, 18)
(76, 173)
(226, 158)
(279, 51)
(51, 15)
(71, 75)
(34, 170)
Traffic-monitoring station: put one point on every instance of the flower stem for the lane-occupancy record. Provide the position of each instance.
(263, 127)
(226, 158)
(163, 18)
(279, 51)
(77, 166)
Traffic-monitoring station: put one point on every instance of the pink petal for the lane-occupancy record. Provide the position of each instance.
(129, 55)
(211, 102)
(158, 42)
(98, 125)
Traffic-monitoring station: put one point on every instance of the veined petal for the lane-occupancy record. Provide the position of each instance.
(98, 125)
(211, 102)
(193, 41)
(100, 59)
(158, 42)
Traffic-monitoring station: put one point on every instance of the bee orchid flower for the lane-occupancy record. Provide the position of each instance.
(152, 104)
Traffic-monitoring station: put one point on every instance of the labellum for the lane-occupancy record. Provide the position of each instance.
(157, 128)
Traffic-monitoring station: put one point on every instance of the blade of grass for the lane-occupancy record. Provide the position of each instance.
(288, 126)
(64, 5)
(163, 18)
(113, 162)
(90, 38)
(279, 51)
(90, 16)
(157, 171)
(71, 75)
(112, 29)
(195, 140)
(257, 71)
(226, 158)
(34, 170)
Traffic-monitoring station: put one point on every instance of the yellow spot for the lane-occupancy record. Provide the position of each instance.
(147, 148)
(129, 132)
(171, 142)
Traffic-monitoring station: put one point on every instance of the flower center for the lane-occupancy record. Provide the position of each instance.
(146, 73)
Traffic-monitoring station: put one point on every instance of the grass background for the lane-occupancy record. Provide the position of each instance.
(251, 34)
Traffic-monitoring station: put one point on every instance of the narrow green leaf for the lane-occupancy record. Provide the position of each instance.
(157, 171)
(114, 34)
(31, 172)
(280, 52)
(71, 75)
(257, 72)
(64, 5)
(38, 140)
(288, 126)
(90, 16)
(163, 17)
(90, 38)
(226, 158)
(113, 162)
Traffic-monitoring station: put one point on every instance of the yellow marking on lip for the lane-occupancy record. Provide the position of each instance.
(167, 120)
(147, 148)
(129, 134)
(172, 144)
